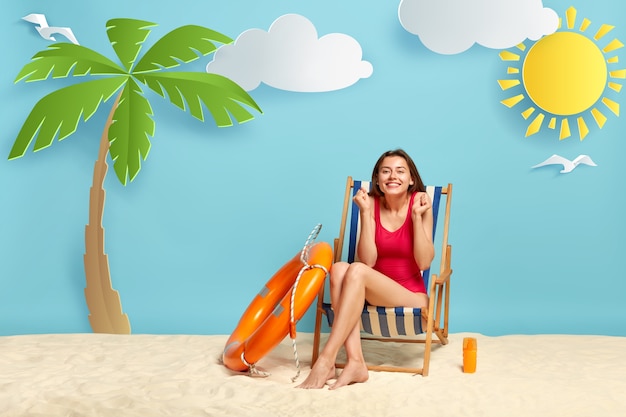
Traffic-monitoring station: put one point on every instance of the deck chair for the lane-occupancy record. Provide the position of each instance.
(397, 324)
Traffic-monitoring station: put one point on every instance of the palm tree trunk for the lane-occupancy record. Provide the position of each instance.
(103, 301)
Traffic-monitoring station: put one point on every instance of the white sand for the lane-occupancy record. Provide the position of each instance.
(181, 376)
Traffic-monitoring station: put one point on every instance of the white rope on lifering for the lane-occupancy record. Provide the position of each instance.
(252, 370)
(304, 257)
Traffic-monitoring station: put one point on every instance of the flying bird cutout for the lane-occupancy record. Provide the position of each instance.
(46, 31)
(568, 166)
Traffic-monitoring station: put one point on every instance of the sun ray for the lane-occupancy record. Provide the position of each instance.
(535, 125)
(512, 70)
(598, 117)
(585, 24)
(571, 17)
(613, 60)
(565, 131)
(512, 101)
(618, 73)
(528, 112)
(521, 47)
(613, 106)
(612, 46)
(615, 86)
(604, 29)
(509, 56)
(506, 84)
(552, 123)
(583, 130)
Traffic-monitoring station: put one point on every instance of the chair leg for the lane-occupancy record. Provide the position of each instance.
(316, 344)
(430, 325)
(318, 327)
(446, 311)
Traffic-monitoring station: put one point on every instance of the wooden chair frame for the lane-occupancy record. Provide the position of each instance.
(438, 291)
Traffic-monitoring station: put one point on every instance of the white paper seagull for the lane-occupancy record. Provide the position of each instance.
(46, 31)
(568, 166)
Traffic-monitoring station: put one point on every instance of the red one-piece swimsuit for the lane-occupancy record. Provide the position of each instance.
(395, 252)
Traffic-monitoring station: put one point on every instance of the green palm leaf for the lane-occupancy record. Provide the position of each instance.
(192, 89)
(181, 44)
(129, 132)
(127, 36)
(60, 111)
(61, 59)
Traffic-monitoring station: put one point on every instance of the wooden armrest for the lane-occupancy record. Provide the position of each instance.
(443, 277)
(446, 271)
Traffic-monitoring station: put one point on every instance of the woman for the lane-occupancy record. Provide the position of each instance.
(394, 245)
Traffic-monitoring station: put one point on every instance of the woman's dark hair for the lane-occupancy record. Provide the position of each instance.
(418, 185)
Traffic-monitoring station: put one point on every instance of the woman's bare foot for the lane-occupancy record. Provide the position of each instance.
(321, 372)
(352, 373)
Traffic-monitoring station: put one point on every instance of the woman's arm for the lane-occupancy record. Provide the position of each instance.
(422, 216)
(366, 247)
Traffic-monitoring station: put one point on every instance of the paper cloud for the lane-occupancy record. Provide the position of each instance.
(453, 26)
(290, 56)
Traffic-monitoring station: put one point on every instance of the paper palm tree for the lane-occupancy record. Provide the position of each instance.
(129, 126)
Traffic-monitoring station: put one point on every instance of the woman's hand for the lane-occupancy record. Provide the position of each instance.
(366, 246)
(421, 205)
(422, 216)
(362, 199)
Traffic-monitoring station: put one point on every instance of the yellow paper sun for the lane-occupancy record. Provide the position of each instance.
(564, 75)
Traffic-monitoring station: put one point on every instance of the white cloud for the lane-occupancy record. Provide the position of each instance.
(453, 26)
(290, 56)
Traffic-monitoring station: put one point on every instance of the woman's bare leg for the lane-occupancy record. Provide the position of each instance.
(324, 368)
(358, 282)
(352, 344)
(355, 369)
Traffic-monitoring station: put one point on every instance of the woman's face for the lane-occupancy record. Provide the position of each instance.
(394, 176)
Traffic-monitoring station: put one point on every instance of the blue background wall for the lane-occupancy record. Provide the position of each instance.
(215, 212)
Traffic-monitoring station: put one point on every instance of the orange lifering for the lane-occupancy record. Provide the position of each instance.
(266, 321)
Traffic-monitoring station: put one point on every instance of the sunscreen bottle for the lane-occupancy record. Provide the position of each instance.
(469, 355)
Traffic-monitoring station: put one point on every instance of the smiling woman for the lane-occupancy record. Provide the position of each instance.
(565, 74)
